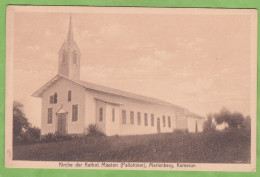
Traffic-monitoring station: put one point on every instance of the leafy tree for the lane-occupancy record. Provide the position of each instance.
(234, 120)
(22, 129)
(209, 125)
(246, 125)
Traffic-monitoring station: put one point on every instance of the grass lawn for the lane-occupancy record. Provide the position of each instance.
(216, 147)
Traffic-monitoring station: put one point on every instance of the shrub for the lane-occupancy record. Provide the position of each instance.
(94, 130)
(56, 137)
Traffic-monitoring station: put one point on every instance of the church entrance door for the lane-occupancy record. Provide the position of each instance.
(158, 125)
(62, 123)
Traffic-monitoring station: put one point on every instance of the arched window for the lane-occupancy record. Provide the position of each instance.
(74, 57)
(55, 100)
(64, 56)
(100, 114)
(69, 95)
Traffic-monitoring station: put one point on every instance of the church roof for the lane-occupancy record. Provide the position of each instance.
(101, 88)
(105, 89)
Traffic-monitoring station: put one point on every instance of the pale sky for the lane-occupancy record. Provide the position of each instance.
(198, 61)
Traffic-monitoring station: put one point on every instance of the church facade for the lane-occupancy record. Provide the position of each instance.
(70, 105)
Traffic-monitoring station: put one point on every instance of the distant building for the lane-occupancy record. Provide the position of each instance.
(70, 105)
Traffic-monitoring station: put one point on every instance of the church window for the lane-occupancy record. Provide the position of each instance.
(49, 116)
(51, 99)
(64, 56)
(169, 121)
(69, 95)
(74, 113)
(113, 114)
(152, 119)
(123, 116)
(145, 119)
(74, 57)
(132, 117)
(139, 118)
(55, 99)
(100, 114)
(164, 121)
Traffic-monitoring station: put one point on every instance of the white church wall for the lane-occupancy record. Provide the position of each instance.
(192, 124)
(101, 123)
(112, 125)
(62, 87)
(136, 106)
(181, 122)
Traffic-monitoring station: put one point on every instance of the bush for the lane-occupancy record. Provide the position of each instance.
(56, 137)
(94, 130)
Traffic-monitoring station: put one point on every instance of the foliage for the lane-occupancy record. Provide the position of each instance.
(56, 137)
(94, 130)
(246, 125)
(209, 125)
(235, 120)
(23, 132)
(230, 146)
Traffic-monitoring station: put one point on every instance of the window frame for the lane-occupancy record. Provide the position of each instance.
(145, 119)
(169, 121)
(132, 117)
(164, 121)
(75, 113)
(152, 120)
(55, 98)
(113, 114)
(123, 116)
(75, 57)
(139, 118)
(64, 56)
(69, 96)
(50, 116)
(101, 114)
(51, 99)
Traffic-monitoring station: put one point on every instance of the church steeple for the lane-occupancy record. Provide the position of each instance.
(70, 33)
(69, 57)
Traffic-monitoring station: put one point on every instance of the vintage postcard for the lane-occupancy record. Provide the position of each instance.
(130, 88)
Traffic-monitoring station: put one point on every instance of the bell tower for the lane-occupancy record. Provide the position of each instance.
(69, 57)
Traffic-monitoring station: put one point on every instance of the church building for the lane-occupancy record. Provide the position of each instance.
(70, 105)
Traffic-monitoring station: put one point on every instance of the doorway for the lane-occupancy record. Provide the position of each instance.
(62, 123)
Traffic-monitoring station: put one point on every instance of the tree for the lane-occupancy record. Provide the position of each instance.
(208, 124)
(246, 125)
(234, 120)
(22, 129)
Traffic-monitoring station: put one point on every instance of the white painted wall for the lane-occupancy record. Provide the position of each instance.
(62, 86)
(89, 102)
(128, 104)
(192, 124)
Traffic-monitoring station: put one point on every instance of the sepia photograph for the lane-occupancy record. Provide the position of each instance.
(131, 88)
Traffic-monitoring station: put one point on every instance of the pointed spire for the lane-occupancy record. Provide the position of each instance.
(70, 33)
